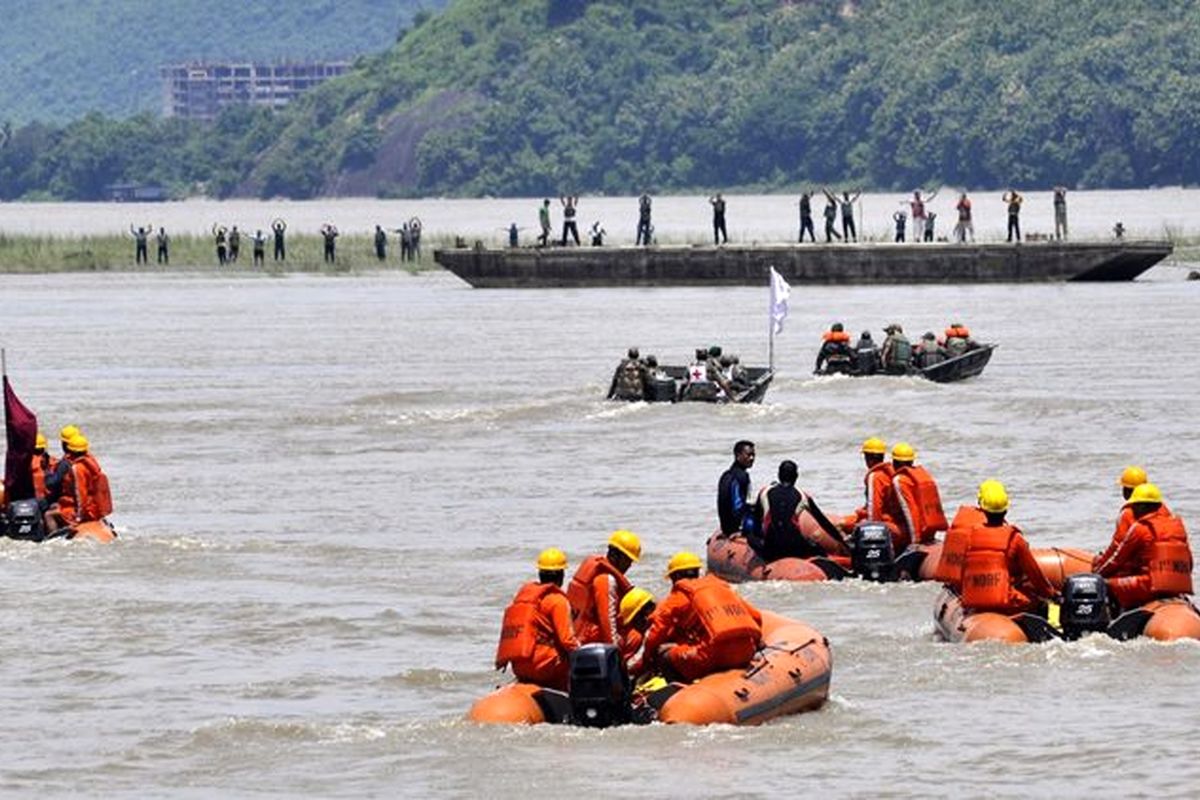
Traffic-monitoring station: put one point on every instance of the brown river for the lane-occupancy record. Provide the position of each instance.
(329, 487)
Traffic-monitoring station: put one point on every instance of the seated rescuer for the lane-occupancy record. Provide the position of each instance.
(781, 505)
(954, 547)
(41, 466)
(85, 494)
(1131, 478)
(921, 515)
(835, 350)
(866, 355)
(735, 509)
(636, 607)
(929, 352)
(54, 478)
(997, 559)
(598, 587)
(703, 625)
(1151, 559)
(629, 382)
(536, 636)
(897, 351)
(699, 386)
(881, 504)
(958, 339)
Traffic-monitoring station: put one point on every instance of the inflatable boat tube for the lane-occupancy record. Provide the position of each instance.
(1162, 620)
(733, 559)
(789, 674)
(953, 624)
(1060, 563)
(98, 531)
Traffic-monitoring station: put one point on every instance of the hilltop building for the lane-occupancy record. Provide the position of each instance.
(201, 90)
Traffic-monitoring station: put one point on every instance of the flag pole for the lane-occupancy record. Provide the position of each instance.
(3, 361)
(770, 321)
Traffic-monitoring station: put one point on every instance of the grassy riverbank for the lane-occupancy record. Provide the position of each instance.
(305, 253)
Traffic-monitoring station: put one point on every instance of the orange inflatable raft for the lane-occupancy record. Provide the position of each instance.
(732, 558)
(788, 675)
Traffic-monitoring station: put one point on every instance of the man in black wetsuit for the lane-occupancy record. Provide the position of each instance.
(780, 507)
(734, 504)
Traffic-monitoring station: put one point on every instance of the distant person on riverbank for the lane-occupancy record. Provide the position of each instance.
(643, 227)
(544, 221)
(929, 222)
(806, 220)
(847, 203)
(414, 239)
(164, 246)
(1060, 213)
(514, 235)
(235, 244)
(405, 242)
(380, 244)
(279, 226)
(222, 252)
(901, 219)
(260, 248)
(1014, 200)
(720, 235)
(140, 236)
(598, 233)
(918, 208)
(569, 204)
(830, 218)
(330, 233)
(1119, 230)
(965, 226)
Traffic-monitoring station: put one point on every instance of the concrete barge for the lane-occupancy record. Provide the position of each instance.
(836, 264)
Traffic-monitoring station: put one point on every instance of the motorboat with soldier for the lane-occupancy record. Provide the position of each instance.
(954, 357)
(712, 377)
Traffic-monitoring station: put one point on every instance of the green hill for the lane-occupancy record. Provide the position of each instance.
(64, 58)
(530, 97)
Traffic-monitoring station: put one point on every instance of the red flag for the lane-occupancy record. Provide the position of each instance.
(21, 427)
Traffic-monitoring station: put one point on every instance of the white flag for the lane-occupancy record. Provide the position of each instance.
(780, 291)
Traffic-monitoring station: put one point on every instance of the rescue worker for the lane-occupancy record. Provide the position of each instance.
(998, 559)
(54, 478)
(629, 381)
(880, 497)
(735, 507)
(921, 515)
(1131, 478)
(536, 636)
(929, 352)
(897, 351)
(781, 505)
(699, 386)
(958, 339)
(636, 607)
(85, 494)
(598, 586)
(715, 374)
(1152, 558)
(41, 465)
(738, 377)
(866, 355)
(954, 546)
(702, 626)
(835, 354)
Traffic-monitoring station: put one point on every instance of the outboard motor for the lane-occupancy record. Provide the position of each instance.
(660, 389)
(599, 688)
(25, 520)
(871, 552)
(1084, 606)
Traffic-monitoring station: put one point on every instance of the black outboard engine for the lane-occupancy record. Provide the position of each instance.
(660, 390)
(25, 520)
(1084, 606)
(871, 554)
(600, 690)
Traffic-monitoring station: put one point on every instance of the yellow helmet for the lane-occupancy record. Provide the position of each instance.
(1132, 477)
(875, 446)
(1145, 493)
(633, 602)
(77, 444)
(993, 496)
(627, 542)
(552, 560)
(903, 452)
(67, 432)
(40, 442)
(683, 560)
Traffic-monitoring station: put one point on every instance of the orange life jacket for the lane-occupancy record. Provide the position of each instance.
(723, 615)
(986, 583)
(524, 625)
(835, 336)
(41, 465)
(928, 517)
(583, 602)
(85, 493)
(954, 547)
(960, 332)
(1170, 562)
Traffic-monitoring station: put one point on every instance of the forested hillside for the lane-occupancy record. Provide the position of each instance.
(64, 58)
(540, 96)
